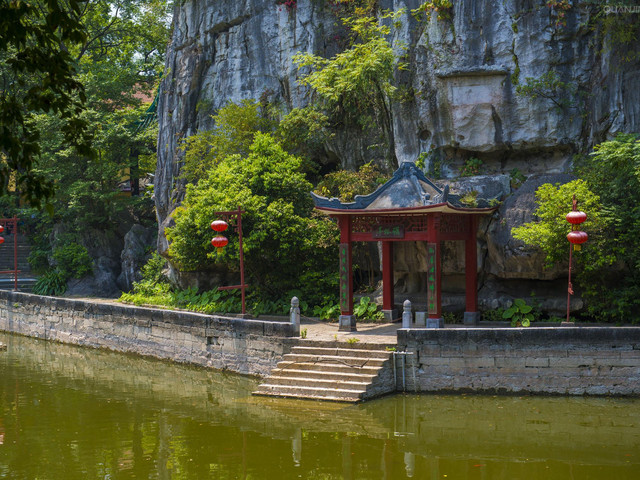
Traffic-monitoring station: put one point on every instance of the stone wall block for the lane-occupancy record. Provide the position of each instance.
(536, 362)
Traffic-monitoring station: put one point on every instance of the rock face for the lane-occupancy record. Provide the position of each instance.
(135, 254)
(462, 77)
(105, 249)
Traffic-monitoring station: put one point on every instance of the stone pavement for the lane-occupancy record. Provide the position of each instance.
(367, 332)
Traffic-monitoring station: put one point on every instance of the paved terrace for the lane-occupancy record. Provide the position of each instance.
(367, 332)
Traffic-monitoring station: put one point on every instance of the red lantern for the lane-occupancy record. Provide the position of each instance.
(219, 225)
(1, 228)
(1, 240)
(576, 217)
(219, 242)
(577, 237)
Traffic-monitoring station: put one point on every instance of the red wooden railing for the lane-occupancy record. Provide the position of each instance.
(11, 228)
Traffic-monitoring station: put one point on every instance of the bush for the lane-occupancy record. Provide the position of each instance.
(72, 260)
(282, 238)
(345, 184)
(235, 127)
(549, 231)
(608, 191)
(52, 282)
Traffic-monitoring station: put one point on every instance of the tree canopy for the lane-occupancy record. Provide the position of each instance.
(608, 191)
(285, 245)
(37, 74)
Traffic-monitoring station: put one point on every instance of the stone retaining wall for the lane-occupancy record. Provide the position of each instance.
(242, 346)
(550, 360)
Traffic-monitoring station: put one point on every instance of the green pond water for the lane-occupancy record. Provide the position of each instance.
(73, 413)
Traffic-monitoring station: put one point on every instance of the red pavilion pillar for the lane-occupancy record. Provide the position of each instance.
(346, 321)
(388, 301)
(434, 276)
(471, 314)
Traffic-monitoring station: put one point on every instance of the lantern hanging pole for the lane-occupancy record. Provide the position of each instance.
(241, 260)
(15, 253)
(574, 205)
(575, 237)
(570, 287)
(237, 214)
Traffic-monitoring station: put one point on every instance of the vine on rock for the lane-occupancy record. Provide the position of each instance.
(559, 8)
(290, 4)
(442, 8)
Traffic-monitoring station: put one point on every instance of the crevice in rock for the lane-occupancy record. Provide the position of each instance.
(225, 27)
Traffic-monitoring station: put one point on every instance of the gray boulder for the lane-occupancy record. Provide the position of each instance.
(139, 242)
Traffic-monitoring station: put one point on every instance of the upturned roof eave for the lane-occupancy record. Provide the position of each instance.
(444, 207)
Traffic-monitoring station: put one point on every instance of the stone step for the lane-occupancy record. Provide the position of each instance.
(347, 352)
(350, 361)
(322, 398)
(334, 394)
(316, 383)
(326, 367)
(324, 375)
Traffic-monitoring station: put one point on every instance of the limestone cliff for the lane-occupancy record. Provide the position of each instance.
(461, 99)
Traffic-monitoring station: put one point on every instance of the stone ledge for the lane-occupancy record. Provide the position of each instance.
(543, 337)
(134, 315)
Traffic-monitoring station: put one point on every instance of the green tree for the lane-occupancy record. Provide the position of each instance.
(345, 184)
(122, 55)
(613, 172)
(609, 193)
(549, 231)
(38, 74)
(235, 126)
(550, 87)
(303, 132)
(355, 87)
(286, 246)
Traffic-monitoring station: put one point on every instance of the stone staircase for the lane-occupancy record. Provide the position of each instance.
(339, 374)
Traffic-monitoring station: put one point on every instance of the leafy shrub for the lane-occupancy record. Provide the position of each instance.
(471, 167)
(452, 318)
(345, 184)
(550, 87)
(282, 239)
(519, 313)
(470, 199)
(443, 9)
(517, 178)
(235, 126)
(72, 260)
(355, 87)
(550, 230)
(327, 311)
(608, 191)
(367, 310)
(493, 315)
(303, 130)
(52, 282)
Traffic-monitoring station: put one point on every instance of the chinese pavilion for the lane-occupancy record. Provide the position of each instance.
(409, 207)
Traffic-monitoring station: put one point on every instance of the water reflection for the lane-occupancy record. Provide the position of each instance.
(68, 413)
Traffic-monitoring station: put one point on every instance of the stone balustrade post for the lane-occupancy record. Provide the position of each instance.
(294, 314)
(406, 314)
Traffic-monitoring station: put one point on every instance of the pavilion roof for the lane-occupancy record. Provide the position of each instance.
(409, 191)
